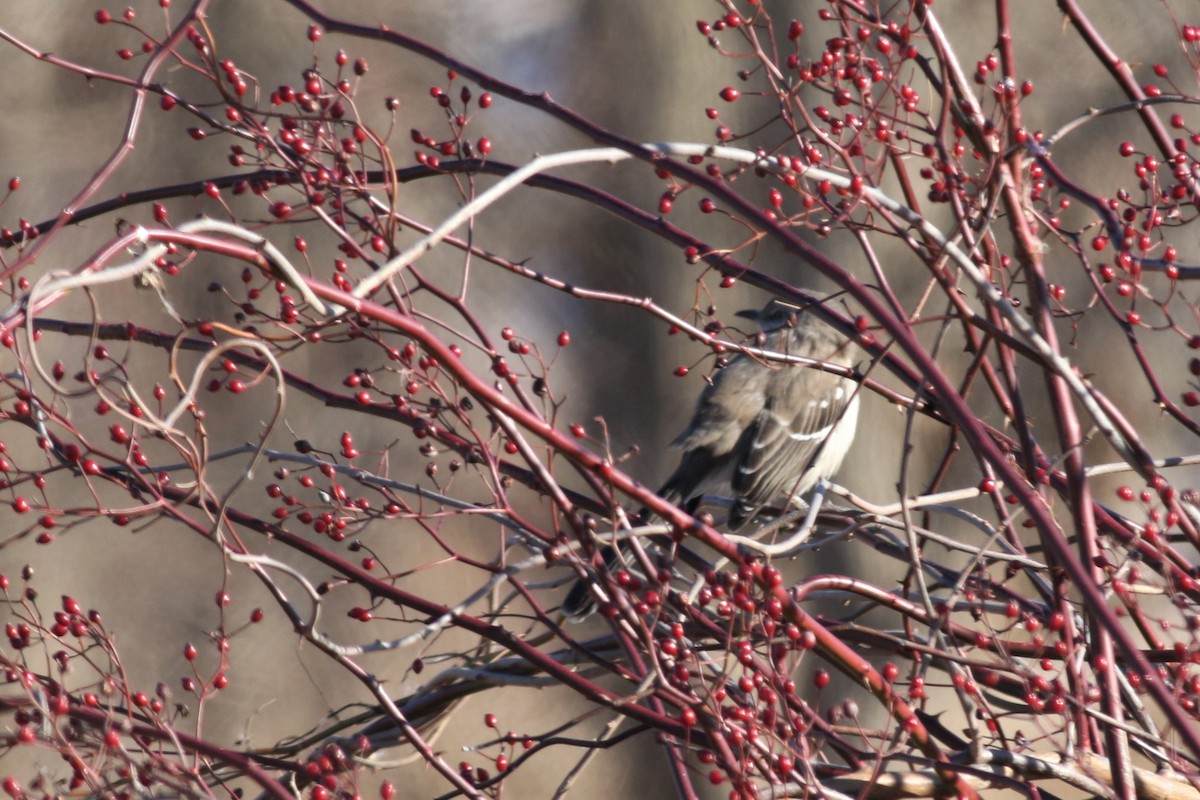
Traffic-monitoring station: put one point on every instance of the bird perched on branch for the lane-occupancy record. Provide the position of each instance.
(764, 432)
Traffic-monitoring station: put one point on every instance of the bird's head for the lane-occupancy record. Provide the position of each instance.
(774, 315)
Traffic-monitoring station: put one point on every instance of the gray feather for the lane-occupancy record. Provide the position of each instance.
(760, 430)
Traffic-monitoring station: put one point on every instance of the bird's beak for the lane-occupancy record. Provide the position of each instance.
(749, 313)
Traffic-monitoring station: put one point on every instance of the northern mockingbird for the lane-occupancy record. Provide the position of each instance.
(763, 432)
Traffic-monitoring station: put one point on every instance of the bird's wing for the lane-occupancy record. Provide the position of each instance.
(724, 414)
(696, 471)
(727, 407)
(775, 463)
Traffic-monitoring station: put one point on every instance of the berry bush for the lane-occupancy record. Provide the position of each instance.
(333, 353)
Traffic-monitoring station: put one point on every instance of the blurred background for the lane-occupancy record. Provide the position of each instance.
(639, 69)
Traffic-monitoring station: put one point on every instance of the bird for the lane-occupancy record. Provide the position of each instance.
(763, 432)
(769, 432)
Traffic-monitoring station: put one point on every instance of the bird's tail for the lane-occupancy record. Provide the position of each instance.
(579, 604)
(679, 489)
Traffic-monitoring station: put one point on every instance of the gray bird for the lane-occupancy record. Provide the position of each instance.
(763, 433)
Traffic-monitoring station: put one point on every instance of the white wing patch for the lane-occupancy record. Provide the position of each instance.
(795, 437)
(808, 437)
